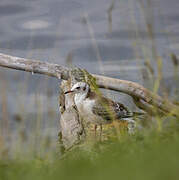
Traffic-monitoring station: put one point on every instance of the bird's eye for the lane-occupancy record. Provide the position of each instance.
(84, 88)
(78, 88)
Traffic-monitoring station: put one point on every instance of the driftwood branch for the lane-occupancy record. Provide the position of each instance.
(136, 91)
(34, 66)
(133, 89)
(72, 131)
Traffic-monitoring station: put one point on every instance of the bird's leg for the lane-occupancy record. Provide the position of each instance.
(101, 129)
(95, 128)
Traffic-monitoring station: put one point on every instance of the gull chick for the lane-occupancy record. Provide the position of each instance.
(95, 108)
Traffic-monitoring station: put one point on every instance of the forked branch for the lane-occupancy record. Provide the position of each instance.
(133, 89)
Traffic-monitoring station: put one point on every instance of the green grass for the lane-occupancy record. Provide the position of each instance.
(148, 154)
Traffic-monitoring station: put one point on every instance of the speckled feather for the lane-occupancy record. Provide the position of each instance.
(108, 109)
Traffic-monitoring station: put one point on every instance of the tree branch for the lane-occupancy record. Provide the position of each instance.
(34, 66)
(133, 89)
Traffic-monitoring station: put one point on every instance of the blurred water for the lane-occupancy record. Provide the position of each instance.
(49, 30)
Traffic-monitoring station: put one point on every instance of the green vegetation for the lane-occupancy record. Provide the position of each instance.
(148, 154)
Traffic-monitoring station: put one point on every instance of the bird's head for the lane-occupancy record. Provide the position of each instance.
(79, 88)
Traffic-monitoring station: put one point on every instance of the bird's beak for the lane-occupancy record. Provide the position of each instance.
(68, 92)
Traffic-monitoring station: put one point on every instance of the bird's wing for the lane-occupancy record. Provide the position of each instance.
(121, 111)
(110, 110)
(102, 111)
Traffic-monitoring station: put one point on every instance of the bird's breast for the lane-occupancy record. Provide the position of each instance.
(86, 106)
(85, 110)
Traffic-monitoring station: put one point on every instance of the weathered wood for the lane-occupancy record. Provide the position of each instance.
(72, 130)
(137, 91)
(60, 72)
(34, 66)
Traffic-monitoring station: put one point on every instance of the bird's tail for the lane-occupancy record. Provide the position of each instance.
(138, 114)
(131, 114)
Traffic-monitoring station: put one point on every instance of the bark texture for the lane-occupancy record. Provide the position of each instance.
(73, 130)
(146, 100)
